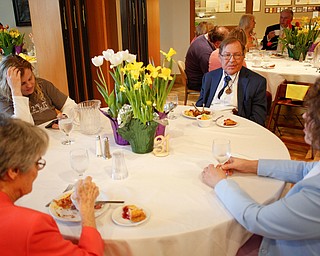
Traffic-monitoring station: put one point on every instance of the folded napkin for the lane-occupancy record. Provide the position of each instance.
(296, 91)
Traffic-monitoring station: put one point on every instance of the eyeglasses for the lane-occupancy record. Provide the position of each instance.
(228, 56)
(41, 163)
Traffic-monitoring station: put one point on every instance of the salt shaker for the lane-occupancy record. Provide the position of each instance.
(106, 148)
(98, 146)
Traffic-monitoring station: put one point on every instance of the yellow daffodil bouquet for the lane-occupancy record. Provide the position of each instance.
(17, 36)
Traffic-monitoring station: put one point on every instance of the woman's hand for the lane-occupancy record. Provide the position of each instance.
(240, 165)
(86, 194)
(212, 175)
(14, 81)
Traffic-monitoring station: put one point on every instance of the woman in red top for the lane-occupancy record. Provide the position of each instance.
(24, 231)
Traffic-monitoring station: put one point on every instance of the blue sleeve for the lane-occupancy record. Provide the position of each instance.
(293, 217)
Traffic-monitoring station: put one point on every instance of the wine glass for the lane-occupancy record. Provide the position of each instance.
(172, 103)
(221, 150)
(309, 58)
(79, 160)
(66, 125)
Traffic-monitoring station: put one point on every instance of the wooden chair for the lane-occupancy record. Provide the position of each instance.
(281, 100)
(187, 91)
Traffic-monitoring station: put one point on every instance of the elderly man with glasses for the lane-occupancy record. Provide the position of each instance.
(234, 86)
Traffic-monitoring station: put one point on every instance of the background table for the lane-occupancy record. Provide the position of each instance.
(186, 216)
(290, 70)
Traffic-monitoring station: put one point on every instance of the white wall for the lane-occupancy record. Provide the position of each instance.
(7, 17)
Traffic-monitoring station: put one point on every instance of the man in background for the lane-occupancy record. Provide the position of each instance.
(197, 58)
(270, 39)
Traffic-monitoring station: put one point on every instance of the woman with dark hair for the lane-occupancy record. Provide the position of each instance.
(291, 225)
(24, 96)
(24, 231)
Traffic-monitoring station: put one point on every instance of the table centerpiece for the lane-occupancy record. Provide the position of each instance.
(298, 40)
(11, 40)
(138, 96)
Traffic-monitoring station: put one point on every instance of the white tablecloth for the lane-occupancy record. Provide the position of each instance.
(186, 216)
(290, 70)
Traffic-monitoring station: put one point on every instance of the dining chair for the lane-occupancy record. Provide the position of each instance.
(289, 94)
(187, 91)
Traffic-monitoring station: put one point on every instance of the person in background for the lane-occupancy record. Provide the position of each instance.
(214, 60)
(234, 86)
(31, 99)
(26, 231)
(291, 225)
(271, 36)
(202, 28)
(197, 57)
(247, 23)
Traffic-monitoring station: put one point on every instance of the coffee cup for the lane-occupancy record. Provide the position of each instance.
(277, 32)
(257, 62)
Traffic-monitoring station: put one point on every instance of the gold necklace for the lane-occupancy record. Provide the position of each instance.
(229, 89)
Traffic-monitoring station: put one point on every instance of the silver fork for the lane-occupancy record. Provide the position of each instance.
(69, 187)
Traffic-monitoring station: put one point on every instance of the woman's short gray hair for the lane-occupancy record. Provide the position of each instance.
(20, 144)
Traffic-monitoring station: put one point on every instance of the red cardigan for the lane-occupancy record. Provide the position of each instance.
(24, 231)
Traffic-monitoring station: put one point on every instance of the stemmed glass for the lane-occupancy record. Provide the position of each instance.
(309, 58)
(172, 103)
(66, 125)
(79, 160)
(221, 150)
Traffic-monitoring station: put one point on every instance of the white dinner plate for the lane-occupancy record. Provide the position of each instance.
(193, 117)
(117, 217)
(256, 66)
(220, 122)
(73, 215)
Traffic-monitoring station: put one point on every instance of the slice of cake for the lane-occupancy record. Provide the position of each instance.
(229, 122)
(133, 213)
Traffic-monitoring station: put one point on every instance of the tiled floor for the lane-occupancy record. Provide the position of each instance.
(294, 139)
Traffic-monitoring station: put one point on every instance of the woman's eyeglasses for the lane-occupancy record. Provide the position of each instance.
(41, 163)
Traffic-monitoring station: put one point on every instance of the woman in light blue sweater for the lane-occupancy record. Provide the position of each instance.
(291, 225)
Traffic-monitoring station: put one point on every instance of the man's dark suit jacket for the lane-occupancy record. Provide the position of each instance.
(252, 100)
(274, 40)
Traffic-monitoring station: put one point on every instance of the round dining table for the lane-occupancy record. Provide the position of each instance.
(185, 217)
(277, 69)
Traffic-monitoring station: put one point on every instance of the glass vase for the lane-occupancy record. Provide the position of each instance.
(114, 124)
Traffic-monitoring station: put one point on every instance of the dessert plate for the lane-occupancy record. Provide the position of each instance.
(117, 217)
(220, 122)
(72, 214)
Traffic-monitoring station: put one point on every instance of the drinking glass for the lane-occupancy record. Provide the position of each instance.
(79, 160)
(119, 168)
(309, 58)
(66, 125)
(221, 150)
(172, 102)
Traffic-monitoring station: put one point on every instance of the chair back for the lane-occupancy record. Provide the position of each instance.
(181, 66)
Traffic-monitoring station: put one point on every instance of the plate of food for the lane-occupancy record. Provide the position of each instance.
(227, 122)
(130, 215)
(62, 208)
(193, 113)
